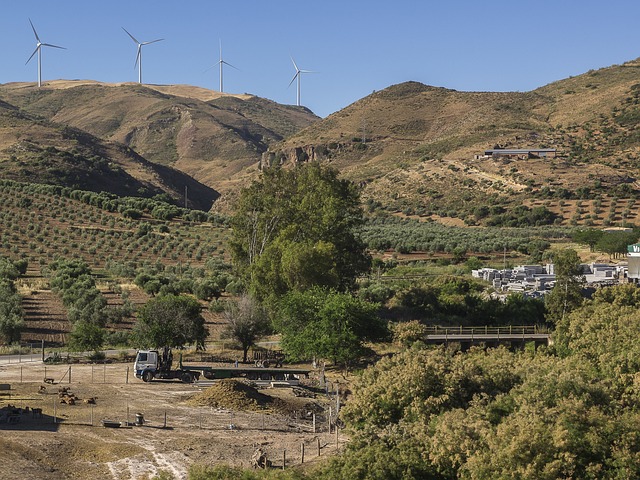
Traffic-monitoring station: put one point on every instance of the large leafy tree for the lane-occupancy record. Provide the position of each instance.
(86, 335)
(11, 321)
(567, 294)
(247, 321)
(615, 243)
(295, 228)
(170, 321)
(327, 324)
(590, 236)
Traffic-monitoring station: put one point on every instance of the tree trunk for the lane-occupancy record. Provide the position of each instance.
(245, 351)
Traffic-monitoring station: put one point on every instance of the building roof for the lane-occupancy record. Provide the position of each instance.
(518, 151)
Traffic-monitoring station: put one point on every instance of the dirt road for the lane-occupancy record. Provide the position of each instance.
(70, 441)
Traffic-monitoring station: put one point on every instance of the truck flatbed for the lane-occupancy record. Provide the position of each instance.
(152, 364)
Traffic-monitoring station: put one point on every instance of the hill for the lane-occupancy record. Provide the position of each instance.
(37, 150)
(413, 147)
(208, 135)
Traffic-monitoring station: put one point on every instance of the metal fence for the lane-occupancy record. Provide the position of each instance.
(65, 374)
(27, 352)
(487, 330)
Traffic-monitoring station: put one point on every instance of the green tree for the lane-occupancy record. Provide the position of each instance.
(327, 324)
(86, 335)
(11, 314)
(589, 237)
(295, 228)
(615, 243)
(247, 322)
(8, 269)
(170, 321)
(567, 293)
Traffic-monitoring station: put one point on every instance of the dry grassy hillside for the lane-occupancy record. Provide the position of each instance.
(33, 149)
(208, 135)
(413, 146)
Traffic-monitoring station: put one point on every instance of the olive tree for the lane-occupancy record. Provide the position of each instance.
(247, 321)
(170, 321)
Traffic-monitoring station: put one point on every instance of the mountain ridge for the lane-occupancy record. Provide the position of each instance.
(415, 149)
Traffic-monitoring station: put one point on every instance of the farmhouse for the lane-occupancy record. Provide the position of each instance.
(521, 153)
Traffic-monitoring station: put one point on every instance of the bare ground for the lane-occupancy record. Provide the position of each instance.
(70, 441)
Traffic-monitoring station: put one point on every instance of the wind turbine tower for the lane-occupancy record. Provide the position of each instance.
(38, 50)
(139, 54)
(297, 76)
(221, 62)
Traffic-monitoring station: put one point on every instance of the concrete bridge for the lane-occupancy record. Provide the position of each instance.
(516, 337)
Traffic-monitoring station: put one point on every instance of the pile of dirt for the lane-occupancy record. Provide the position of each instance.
(234, 395)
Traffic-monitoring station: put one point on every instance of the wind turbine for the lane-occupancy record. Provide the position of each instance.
(297, 76)
(39, 46)
(221, 62)
(139, 54)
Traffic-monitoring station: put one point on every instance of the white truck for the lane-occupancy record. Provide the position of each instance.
(155, 364)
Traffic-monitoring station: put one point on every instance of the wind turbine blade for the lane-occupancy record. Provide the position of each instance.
(152, 41)
(294, 78)
(138, 55)
(132, 37)
(227, 63)
(34, 30)
(212, 66)
(34, 52)
(54, 46)
(294, 64)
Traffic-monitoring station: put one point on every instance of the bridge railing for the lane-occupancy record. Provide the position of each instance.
(487, 330)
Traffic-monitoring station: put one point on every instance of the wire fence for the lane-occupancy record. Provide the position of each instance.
(66, 374)
(313, 440)
(28, 352)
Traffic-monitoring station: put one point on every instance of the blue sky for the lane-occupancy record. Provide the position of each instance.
(355, 46)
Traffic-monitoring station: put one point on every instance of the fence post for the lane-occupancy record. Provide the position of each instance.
(69, 373)
(318, 439)
(302, 452)
(284, 458)
(127, 381)
(104, 373)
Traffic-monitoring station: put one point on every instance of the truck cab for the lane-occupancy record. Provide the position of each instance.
(150, 364)
(146, 361)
